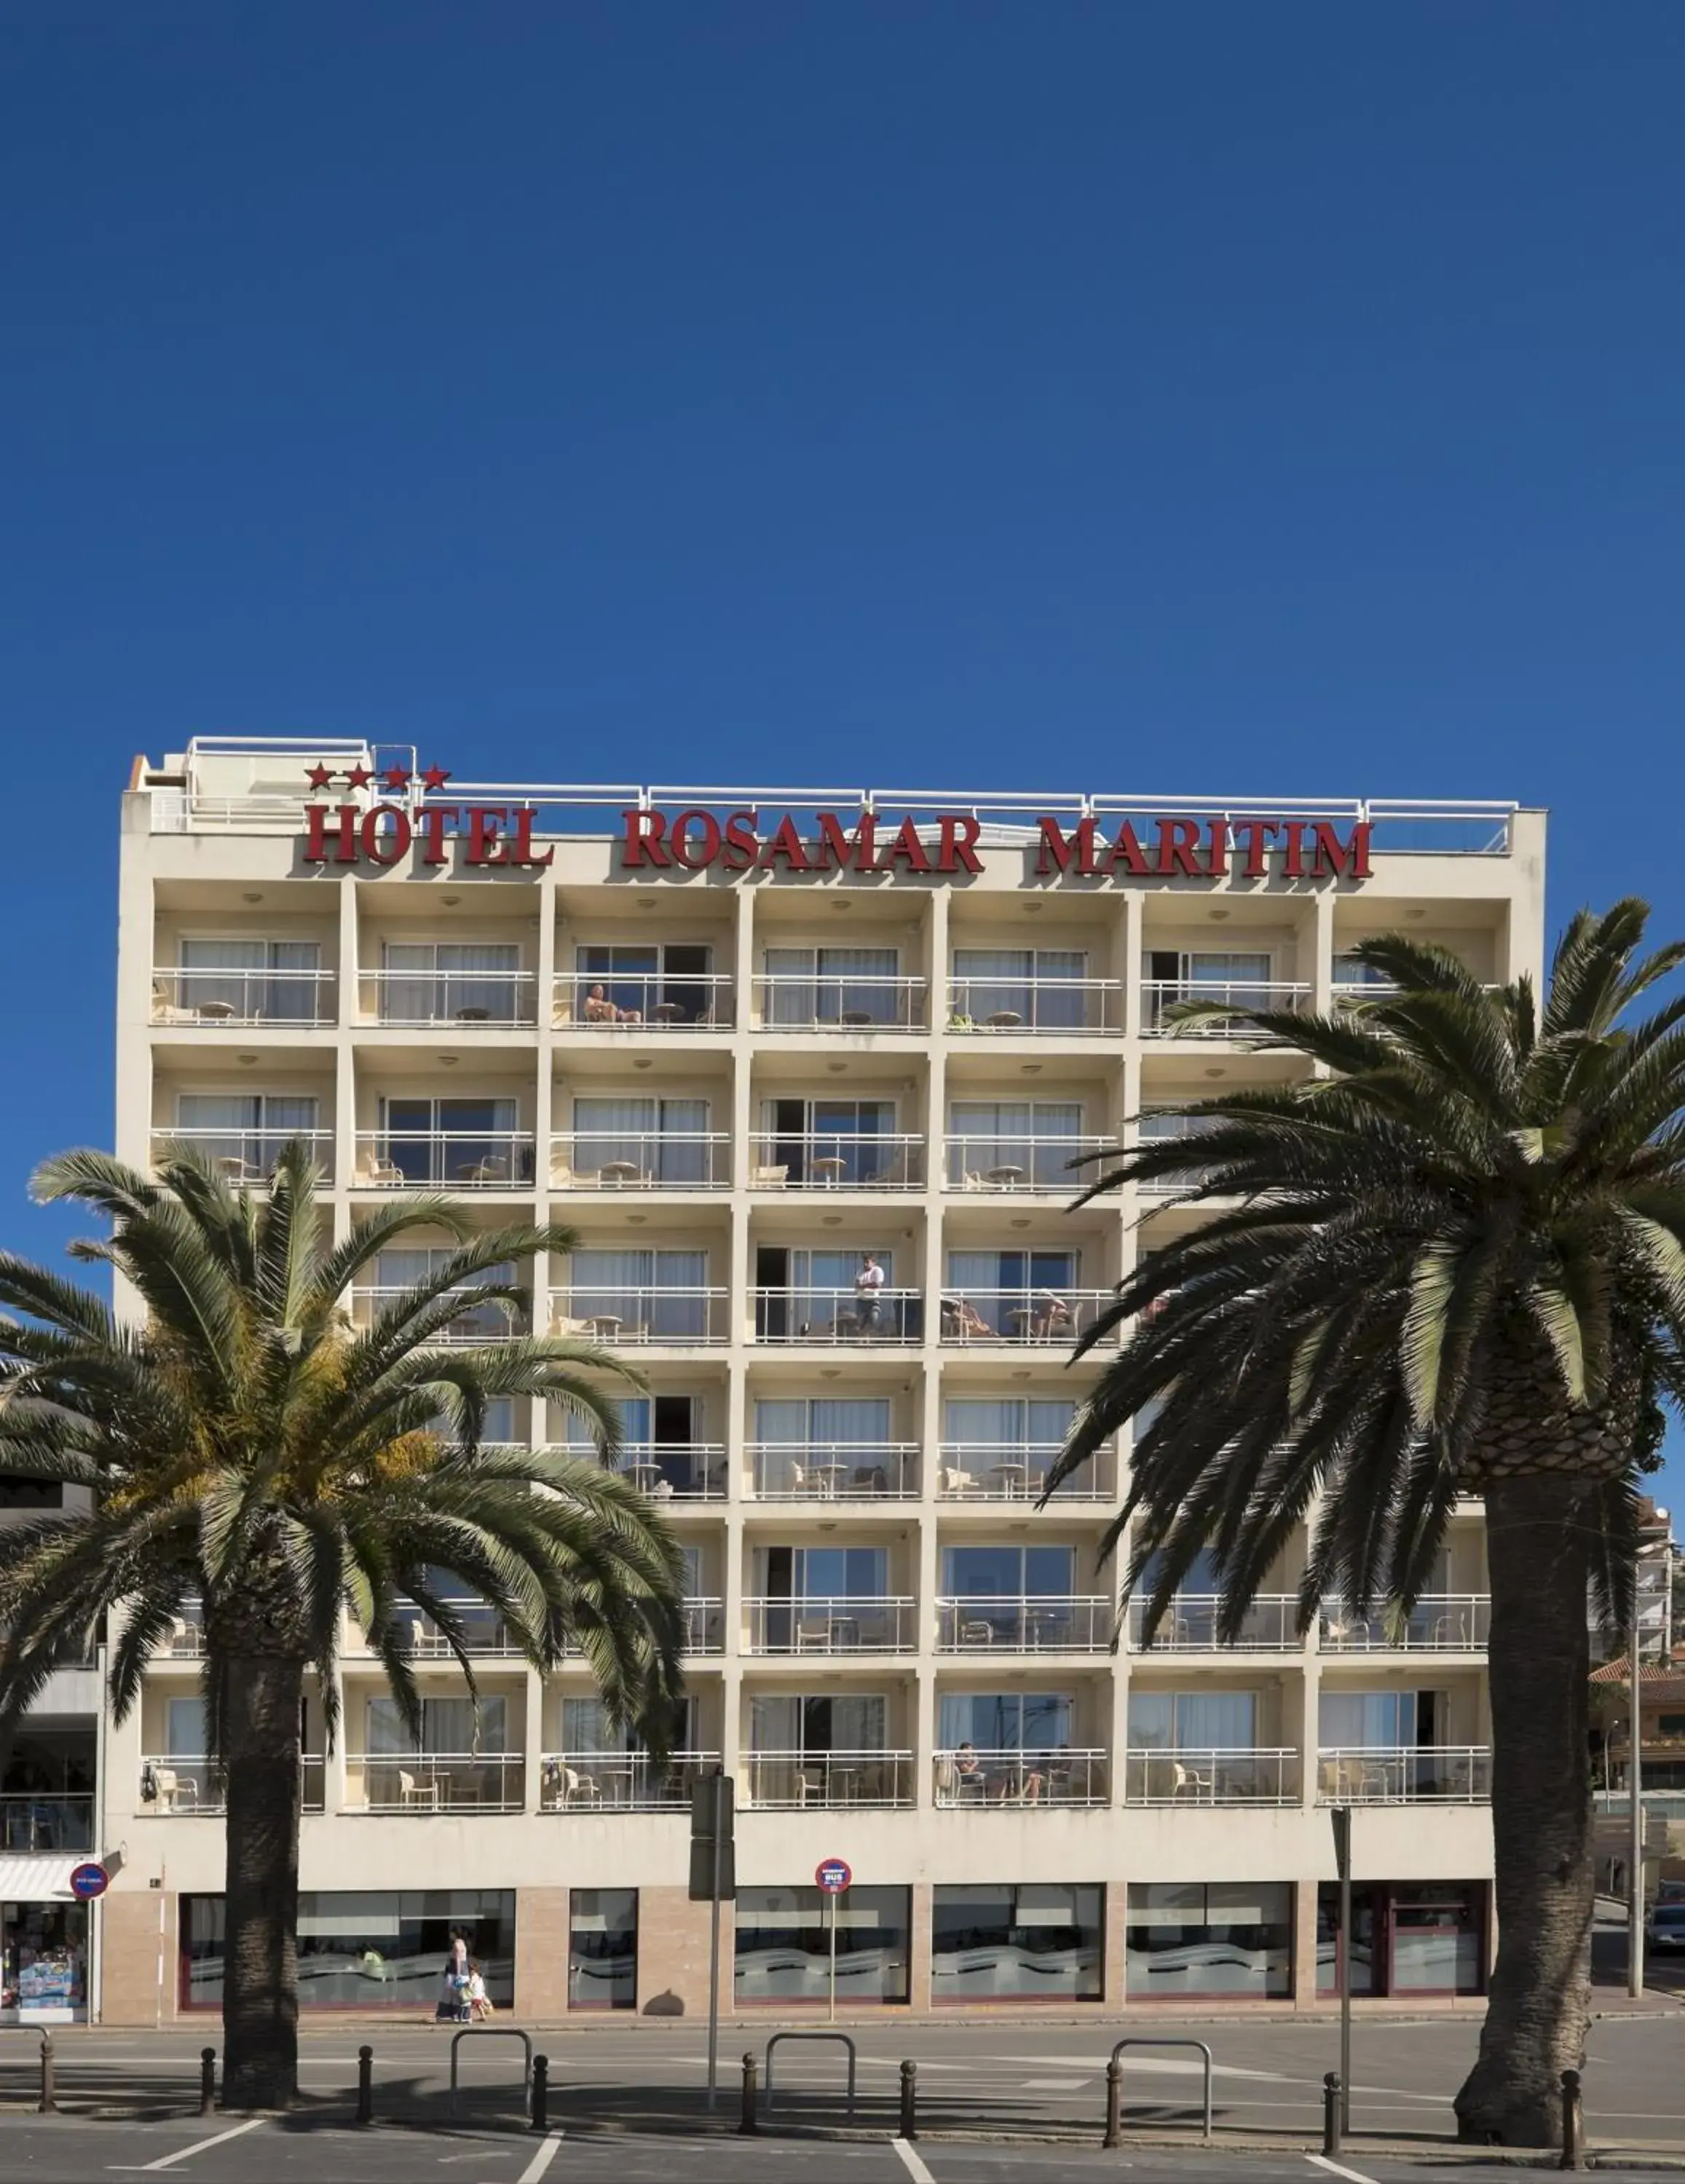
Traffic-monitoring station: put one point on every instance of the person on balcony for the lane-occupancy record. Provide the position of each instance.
(868, 1304)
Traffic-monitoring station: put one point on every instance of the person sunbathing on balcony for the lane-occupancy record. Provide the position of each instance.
(599, 1009)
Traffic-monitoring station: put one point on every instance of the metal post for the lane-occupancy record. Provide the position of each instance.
(834, 1960)
(1330, 2114)
(366, 2085)
(1635, 1847)
(541, 2092)
(1346, 1998)
(1573, 2122)
(1114, 2103)
(714, 1965)
(747, 2122)
(909, 2100)
(48, 2103)
(207, 2081)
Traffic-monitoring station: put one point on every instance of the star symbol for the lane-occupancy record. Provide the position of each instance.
(396, 777)
(318, 775)
(358, 777)
(435, 777)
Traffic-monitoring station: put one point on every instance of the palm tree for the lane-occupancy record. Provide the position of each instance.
(1451, 1263)
(249, 1449)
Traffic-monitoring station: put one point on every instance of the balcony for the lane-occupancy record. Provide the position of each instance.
(184, 1640)
(1439, 1622)
(435, 1782)
(172, 1787)
(795, 1781)
(1023, 1165)
(620, 1782)
(1250, 1777)
(615, 1002)
(35, 1822)
(994, 1781)
(994, 1471)
(704, 1625)
(484, 1632)
(468, 998)
(1021, 1316)
(652, 1315)
(635, 1160)
(1055, 1008)
(245, 1156)
(850, 1623)
(839, 1315)
(291, 999)
(1408, 1775)
(1160, 998)
(1270, 1625)
(474, 1327)
(832, 1160)
(668, 1471)
(449, 1159)
(1071, 1623)
(834, 1471)
(815, 1001)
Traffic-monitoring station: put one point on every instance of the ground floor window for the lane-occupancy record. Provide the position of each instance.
(43, 1963)
(366, 1950)
(1024, 1942)
(602, 1948)
(784, 1945)
(1217, 1938)
(1408, 1937)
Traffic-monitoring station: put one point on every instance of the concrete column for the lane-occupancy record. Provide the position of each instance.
(1304, 1945)
(919, 1907)
(1114, 1980)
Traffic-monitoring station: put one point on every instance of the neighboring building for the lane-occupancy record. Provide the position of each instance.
(806, 1084)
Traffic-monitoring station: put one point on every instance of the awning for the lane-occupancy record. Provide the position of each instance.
(38, 1880)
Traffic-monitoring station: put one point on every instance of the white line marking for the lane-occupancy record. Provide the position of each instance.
(541, 2160)
(187, 2153)
(1054, 2085)
(915, 2168)
(1355, 2175)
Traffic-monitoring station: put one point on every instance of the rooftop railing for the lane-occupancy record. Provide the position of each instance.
(210, 997)
(469, 999)
(424, 1783)
(1439, 1622)
(650, 1313)
(966, 1778)
(841, 1002)
(1046, 1623)
(844, 1623)
(1160, 998)
(457, 1160)
(1012, 1162)
(1021, 1315)
(620, 1782)
(834, 1471)
(1059, 1008)
(796, 1780)
(640, 1159)
(993, 1471)
(1404, 1774)
(643, 1002)
(839, 1315)
(245, 1157)
(1208, 1775)
(1270, 1625)
(836, 1160)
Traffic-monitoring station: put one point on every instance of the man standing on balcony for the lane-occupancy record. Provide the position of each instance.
(868, 1305)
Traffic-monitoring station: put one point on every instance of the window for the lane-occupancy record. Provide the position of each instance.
(602, 1948)
(832, 1141)
(663, 1141)
(1407, 1938)
(645, 982)
(801, 1573)
(1670, 1725)
(373, 1951)
(1004, 1422)
(805, 1725)
(1008, 1572)
(1376, 1720)
(446, 981)
(449, 1728)
(273, 980)
(1189, 1938)
(651, 1294)
(1239, 978)
(587, 1729)
(799, 1293)
(783, 1951)
(405, 1266)
(1349, 972)
(1029, 1942)
(835, 986)
(1010, 986)
(1193, 1721)
(244, 1133)
(468, 1140)
(184, 1729)
(1013, 1142)
(1012, 1292)
(1005, 1721)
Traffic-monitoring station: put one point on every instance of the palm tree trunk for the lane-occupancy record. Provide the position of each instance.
(261, 1969)
(1539, 1532)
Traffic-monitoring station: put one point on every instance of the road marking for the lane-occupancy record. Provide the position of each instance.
(187, 2153)
(1354, 2175)
(910, 2161)
(1054, 2085)
(541, 2160)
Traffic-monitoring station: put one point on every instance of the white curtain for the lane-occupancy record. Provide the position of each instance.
(1378, 1719)
(1006, 1422)
(440, 978)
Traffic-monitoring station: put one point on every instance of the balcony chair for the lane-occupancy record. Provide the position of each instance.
(871, 1478)
(164, 1010)
(577, 1789)
(382, 1173)
(416, 1796)
(977, 1630)
(494, 1169)
(1192, 1781)
(563, 1324)
(813, 1634)
(768, 1177)
(809, 1789)
(954, 1480)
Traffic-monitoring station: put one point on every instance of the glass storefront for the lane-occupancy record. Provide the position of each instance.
(1408, 1937)
(602, 1948)
(366, 1950)
(783, 1944)
(1209, 1939)
(43, 1964)
(1029, 1942)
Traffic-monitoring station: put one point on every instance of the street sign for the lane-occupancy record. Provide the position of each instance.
(1340, 1816)
(713, 1848)
(88, 1881)
(833, 1875)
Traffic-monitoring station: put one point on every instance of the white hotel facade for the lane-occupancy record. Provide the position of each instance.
(737, 1079)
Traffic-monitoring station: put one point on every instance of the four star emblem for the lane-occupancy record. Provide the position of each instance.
(393, 778)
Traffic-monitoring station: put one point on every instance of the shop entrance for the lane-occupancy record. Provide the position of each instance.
(43, 1964)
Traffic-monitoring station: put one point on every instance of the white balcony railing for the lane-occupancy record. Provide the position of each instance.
(640, 1159)
(454, 1160)
(185, 1639)
(1160, 998)
(427, 1782)
(210, 997)
(834, 1471)
(644, 1002)
(1439, 1622)
(704, 1625)
(1047, 1623)
(1057, 1008)
(989, 1780)
(245, 1156)
(1404, 1774)
(839, 1315)
(1021, 1315)
(1024, 1163)
(483, 1632)
(824, 1000)
(837, 1160)
(794, 1780)
(474, 1326)
(1249, 1776)
(469, 999)
(1017, 1471)
(685, 1471)
(651, 1314)
(620, 1782)
(844, 1624)
(1270, 1625)
(174, 1787)
(34, 1821)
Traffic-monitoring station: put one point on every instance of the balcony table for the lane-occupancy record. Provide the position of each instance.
(473, 1016)
(216, 1012)
(828, 1476)
(667, 1013)
(1005, 1175)
(644, 1475)
(830, 1169)
(605, 1325)
(620, 1171)
(858, 1019)
(1005, 1020)
(1012, 1476)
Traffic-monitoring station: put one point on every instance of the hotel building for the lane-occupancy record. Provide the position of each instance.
(805, 1071)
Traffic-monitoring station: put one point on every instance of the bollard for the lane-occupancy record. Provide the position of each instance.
(747, 2122)
(47, 2105)
(207, 2081)
(541, 2092)
(1114, 2103)
(909, 2100)
(1573, 2122)
(1331, 2113)
(366, 2085)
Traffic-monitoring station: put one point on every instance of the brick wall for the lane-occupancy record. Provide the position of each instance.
(128, 1956)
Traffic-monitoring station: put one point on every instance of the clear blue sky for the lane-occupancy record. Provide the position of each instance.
(1213, 397)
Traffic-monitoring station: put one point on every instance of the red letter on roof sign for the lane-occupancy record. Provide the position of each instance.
(906, 844)
(1338, 860)
(956, 849)
(1178, 840)
(833, 847)
(1057, 852)
(641, 844)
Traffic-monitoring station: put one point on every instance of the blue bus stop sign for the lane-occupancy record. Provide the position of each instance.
(833, 1875)
(89, 1880)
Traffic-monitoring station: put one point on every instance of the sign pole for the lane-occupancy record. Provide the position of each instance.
(1635, 1814)
(714, 1964)
(1342, 1817)
(834, 1960)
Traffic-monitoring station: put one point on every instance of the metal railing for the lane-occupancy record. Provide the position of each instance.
(1406, 1775)
(245, 1156)
(483, 1631)
(461, 1160)
(685, 1471)
(185, 1639)
(1044, 1622)
(704, 1625)
(640, 1159)
(834, 1471)
(644, 1002)
(1021, 1315)
(204, 996)
(35, 1820)
(476, 1324)
(991, 1779)
(826, 1000)
(795, 1780)
(997, 1471)
(620, 1782)
(435, 1782)
(1211, 1775)
(1439, 1622)
(650, 1314)
(853, 1623)
(1161, 997)
(172, 1787)
(467, 998)
(839, 1315)
(837, 1160)
(1060, 1008)
(1270, 1624)
(1012, 1162)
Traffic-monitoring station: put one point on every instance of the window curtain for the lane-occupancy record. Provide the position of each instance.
(430, 980)
(821, 985)
(447, 1727)
(250, 1127)
(258, 983)
(1006, 1422)
(1025, 982)
(1005, 1721)
(1040, 1135)
(1378, 1720)
(660, 1291)
(184, 1732)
